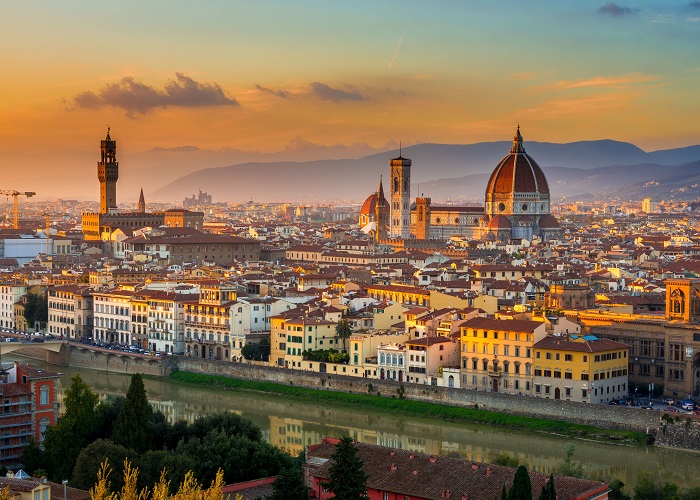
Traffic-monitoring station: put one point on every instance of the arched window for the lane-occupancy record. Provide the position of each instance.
(381, 358)
(396, 184)
(393, 359)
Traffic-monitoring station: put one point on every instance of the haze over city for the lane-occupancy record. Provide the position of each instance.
(190, 86)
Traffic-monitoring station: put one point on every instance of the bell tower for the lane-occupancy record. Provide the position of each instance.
(400, 209)
(108, 174)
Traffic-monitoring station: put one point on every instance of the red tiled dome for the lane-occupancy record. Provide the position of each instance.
(500, 222)
(549, 222)
(369, 205)
(517, 172)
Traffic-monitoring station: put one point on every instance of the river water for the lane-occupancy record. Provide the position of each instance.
(292, 424)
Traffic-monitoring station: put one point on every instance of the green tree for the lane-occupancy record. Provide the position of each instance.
(36, 309)
(348, 481)
(548, 490)
(617, 490)
(289, 483)
(91, 458)
(343, 330)
(135, 420)
(522, 487)
(73, 430)
(258, 351)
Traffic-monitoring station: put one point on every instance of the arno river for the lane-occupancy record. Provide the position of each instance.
(292, 424)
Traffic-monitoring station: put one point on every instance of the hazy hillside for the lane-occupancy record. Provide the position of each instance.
(443, 171)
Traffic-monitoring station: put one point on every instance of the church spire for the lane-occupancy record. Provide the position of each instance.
(517, 142)
(142, 203)
(380, 192)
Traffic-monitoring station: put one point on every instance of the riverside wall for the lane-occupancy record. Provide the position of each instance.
(602, 416)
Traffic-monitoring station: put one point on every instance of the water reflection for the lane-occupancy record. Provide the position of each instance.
(293, 424)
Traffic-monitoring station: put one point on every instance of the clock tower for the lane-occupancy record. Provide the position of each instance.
(108, 174)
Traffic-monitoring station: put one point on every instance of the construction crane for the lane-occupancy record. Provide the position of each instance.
(16, 195)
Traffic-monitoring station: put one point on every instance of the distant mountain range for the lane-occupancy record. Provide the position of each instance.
(578, 170)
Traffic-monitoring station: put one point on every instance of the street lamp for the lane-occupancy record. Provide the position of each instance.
(64, 482)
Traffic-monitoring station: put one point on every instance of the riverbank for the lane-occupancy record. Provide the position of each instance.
(293, 422)
(406, 407)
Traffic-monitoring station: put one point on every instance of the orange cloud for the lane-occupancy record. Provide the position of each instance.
(607, 81)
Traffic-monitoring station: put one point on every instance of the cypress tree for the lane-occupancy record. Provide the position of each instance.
(548, 491)
(134, 423)
(522, 488)
(347, 479)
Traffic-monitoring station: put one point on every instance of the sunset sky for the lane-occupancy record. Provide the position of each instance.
(345, 77)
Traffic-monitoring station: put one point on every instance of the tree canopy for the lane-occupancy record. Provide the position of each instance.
(522, 487)
(344, 330)
(347, 481)
(134, 427)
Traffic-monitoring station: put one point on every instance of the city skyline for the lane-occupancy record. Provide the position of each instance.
(308, 80)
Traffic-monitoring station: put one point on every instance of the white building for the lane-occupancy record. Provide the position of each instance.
(166, 321)
(10, 293)
(112, 324)
(70, 311)
(391, 362)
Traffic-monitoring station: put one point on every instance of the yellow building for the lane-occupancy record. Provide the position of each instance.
(580, 368)
(496, 355)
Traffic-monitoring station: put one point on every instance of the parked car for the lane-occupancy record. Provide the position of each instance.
(688, 404)
(671, 409)
(668, 401)
(646, 405)
(614, 402)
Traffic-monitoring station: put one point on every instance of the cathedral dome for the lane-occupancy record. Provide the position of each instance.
(517, 172)
(370, 204)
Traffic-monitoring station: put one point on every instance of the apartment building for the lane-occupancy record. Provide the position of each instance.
(165, 320)
(112, 316)
(496, 355)
(208, 321)
(70, 311)
(10, 294)
(580, 368)
(427, 356)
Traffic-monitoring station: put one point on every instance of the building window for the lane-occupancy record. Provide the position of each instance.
(44, 395)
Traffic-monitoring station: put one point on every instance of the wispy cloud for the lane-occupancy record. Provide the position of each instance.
(278, 93)
(613, 9)
(327, 93)
(607, 81)
(694, 19)
(136, 97)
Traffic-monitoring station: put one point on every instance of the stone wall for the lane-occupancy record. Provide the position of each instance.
(604, 416)
(679, 431)
(78, 356)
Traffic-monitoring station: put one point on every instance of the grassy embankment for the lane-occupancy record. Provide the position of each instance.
(406, 407)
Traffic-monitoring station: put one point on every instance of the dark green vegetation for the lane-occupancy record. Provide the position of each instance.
(257, 351)
(395, 404)
(121, 428)
(36, 310)
(326, 356)
(347, 480)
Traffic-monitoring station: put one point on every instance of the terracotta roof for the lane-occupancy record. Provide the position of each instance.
(423, 476)
(510, 325)
(581, 344)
